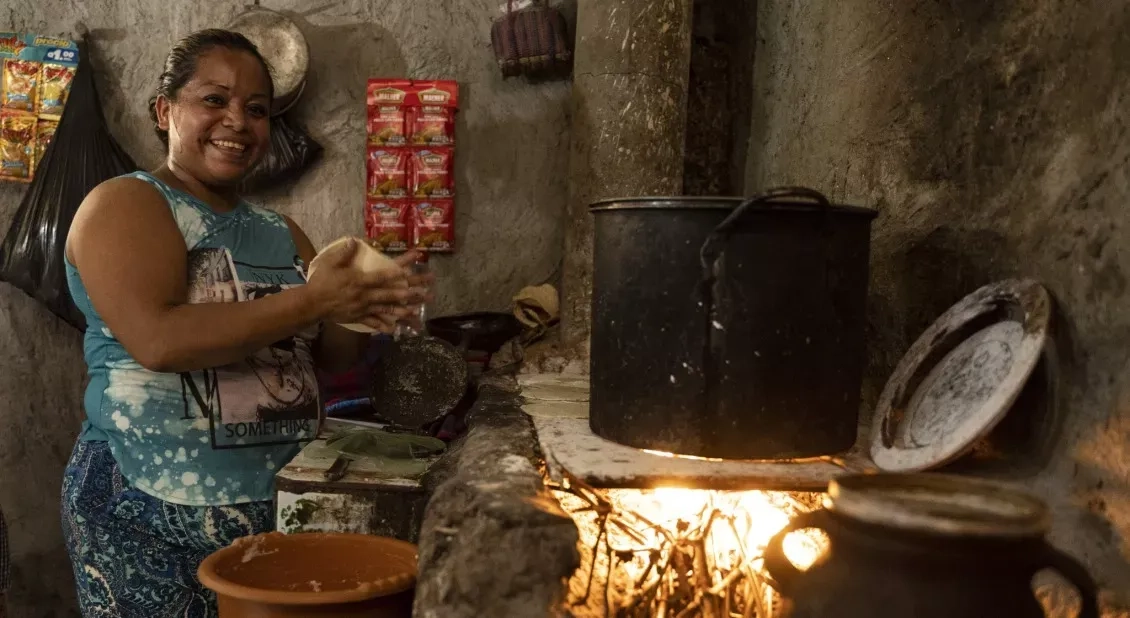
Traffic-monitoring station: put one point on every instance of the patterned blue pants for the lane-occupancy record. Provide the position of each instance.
(135, 556)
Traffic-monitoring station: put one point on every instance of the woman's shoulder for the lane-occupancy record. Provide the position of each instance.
(127, 191)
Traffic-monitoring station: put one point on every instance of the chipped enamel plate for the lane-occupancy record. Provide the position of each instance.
(961, 377)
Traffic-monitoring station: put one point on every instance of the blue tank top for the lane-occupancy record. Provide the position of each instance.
(216, 436)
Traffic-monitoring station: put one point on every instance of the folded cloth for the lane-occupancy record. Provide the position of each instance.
(537, 306)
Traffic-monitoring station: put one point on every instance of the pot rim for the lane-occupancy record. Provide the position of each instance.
(388, 586)
(690, 202)
(943, 504)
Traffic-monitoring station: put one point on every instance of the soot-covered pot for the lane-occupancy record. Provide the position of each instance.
(924, 546)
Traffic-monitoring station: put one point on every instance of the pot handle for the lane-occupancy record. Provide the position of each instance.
(1075, 573)
(780, 568)
(711, 249)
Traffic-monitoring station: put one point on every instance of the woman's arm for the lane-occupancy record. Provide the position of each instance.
(133, 262)
(337, 349)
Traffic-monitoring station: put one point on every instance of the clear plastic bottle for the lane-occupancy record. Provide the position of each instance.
(405, 328)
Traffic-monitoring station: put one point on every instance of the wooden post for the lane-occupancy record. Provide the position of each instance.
(630, 86)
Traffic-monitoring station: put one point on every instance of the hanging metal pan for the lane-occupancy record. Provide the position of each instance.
(283, 46)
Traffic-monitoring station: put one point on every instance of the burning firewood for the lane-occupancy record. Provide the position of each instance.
(703, 561)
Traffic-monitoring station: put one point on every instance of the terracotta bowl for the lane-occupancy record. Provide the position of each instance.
(312, 574)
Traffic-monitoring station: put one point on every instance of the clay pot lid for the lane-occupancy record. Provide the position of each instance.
(961, 377)
(939, 504)
(310, 568)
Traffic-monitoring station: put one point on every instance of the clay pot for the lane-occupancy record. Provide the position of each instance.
(311, 575)
(927, 546)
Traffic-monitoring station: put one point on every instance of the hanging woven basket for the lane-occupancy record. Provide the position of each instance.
(532, 42)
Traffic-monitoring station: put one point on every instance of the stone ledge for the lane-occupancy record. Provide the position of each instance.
(494, 542)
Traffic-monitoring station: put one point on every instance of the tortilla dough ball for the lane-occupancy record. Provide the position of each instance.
(367, 259)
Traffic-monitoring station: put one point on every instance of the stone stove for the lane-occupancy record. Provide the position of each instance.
(662, 534)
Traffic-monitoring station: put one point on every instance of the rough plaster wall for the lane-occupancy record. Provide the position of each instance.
(511, 169)
(629, 127)
(993, 138)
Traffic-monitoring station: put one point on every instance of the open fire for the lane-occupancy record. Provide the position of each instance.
(678, 552)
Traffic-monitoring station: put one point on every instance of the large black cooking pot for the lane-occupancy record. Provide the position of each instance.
(728, 327)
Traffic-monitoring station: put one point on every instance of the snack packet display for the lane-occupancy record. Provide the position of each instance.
(432, 172)
(35, 78)
(44, 133)
(19, 87)
(54, 84)
(411, 153)
(388, 172)
(434, 225)
(389, 223)
(17, 144)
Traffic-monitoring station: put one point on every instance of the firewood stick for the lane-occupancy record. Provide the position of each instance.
(660, 576)
(592, 566)
(753, 600)
(702, 579)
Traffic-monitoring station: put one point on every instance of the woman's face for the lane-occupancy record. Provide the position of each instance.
(218, 122)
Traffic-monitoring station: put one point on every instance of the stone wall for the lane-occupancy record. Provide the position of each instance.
(992, 136)
(511, 170)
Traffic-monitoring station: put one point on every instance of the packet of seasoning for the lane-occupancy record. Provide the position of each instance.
(17, 142)
(388, 172)
(432, 113)
(44, 133)
(19, 85)
(432, 172)
(434, 225)
(385, 100)
(389, 223)
(54, 84)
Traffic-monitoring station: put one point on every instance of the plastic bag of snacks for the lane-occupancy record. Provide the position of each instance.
(44, 133)
(434, 225)
(432, 172)
(54, 84)
(387, 111)
(388, 172)
(17, 146)
(389, 223)
(20, 80)
(432, 108)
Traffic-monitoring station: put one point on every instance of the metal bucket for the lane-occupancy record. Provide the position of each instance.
(729, 328)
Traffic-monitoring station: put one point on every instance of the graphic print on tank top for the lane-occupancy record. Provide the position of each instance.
(270, 397)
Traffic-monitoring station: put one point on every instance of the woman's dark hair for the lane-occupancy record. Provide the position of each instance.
(181, 64)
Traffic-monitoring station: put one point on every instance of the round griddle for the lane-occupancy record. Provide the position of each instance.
(417, 380)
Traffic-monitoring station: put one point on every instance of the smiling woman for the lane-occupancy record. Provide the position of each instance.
(201, 344)
(224, 97)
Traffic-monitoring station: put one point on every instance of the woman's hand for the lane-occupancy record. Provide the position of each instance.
(378, 300)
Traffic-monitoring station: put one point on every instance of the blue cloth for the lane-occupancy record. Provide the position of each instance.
(135, 556)
(216, 436)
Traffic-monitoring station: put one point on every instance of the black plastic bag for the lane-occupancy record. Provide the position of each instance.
(81, 155)
(292, 150)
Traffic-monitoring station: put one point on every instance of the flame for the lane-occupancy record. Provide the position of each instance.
(741, 523)
(756, 517)
(675, 456)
